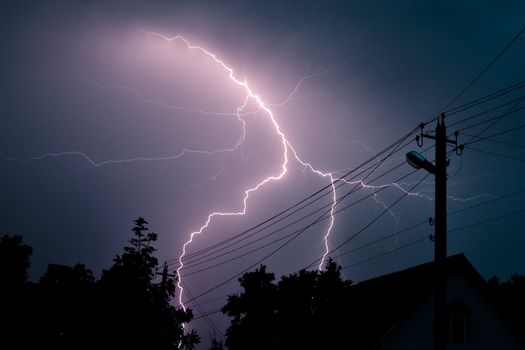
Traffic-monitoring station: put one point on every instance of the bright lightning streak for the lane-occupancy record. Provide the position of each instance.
(287, 149)
(120, 161)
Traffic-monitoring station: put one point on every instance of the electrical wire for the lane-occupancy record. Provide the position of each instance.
(370, 222)
(402, 139)
(486, 69)
(280, 247)
(507, 195)
(302, 218)
(470, 104)
(204, 315)
(409, 244)
(500, 54)
(191, 262)
(494, 141)
(495, 154)
(326, 216)
(480, 139)
(487, 220)
(477, 115)
(496, 118)
(486, 98)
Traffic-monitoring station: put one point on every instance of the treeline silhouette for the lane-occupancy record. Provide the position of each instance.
(320, 310)
(509, 298)
(129, 307)
(298, 312)
(69, 309)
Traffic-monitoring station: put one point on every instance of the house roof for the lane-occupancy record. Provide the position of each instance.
(377, 305)
(422, 275)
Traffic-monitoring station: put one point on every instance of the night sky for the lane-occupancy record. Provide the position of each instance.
(96, 114)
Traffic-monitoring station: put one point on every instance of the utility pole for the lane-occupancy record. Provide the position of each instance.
(440, 238)
(164, 280)
(440, 221)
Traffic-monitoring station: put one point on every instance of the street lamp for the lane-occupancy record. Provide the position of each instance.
(418, 161)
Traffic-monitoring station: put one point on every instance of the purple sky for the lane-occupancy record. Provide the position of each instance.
(124, 105)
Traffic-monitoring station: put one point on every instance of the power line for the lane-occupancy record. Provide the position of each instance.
(487, 220)
(323, 218)
(513, 108)
(486, 98)
(298, 220)
(300, 231)
(212, 300)
(320, 219)
(506, 156)
(450, 103)
(397, 233)
(327, 205)
(371, 222)
(494, 141)
(507, 195)
(376, 218)
(193, 260)
(496, 118)
(455, 110)
(409, 244)
(491, 63)
(387, 252)
(204, 315)
(479, 139)
(402, 139)
(487, 111)
(471, 104)
(281, 246)
(295, 236)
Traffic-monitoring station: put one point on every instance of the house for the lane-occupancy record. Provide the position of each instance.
(395, 311)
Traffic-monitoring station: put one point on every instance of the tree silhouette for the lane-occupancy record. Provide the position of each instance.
(509, 298)
(216, 344)
(14, 262)
(61, 307)
(286, 315)
(190, 340)
(137, 311)
(253, 312)
(68, 309)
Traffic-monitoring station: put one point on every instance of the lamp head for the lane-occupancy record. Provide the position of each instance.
(418, 161)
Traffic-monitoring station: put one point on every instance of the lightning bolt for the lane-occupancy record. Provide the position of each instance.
(118, 161)
(288, 152)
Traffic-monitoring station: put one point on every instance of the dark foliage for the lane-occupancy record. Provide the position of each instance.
(291, 314)
(509, 298)
(68, 309)
(14, 262)
(216, 344)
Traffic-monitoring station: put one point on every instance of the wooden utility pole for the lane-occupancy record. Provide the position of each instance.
(440, 238)
(440, 234)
